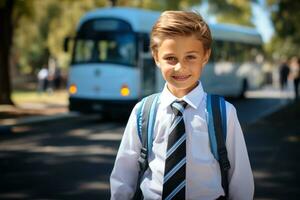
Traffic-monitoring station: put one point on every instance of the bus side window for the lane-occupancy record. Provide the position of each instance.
(213, 55)
(224, 50)
(217, 51)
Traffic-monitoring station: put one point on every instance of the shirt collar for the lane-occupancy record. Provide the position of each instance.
(193, 98)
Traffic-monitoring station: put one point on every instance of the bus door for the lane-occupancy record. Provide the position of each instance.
(147, 66)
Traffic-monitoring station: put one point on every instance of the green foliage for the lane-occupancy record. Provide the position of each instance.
(41, 27)
(232, 11)
(286, 20)
(159, 5)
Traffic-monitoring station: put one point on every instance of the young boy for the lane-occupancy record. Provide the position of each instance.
(181, 46)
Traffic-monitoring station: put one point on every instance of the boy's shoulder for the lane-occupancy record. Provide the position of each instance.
(139, 104)
(229, 107)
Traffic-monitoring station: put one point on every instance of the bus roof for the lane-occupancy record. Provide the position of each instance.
(236, 33)
(142, 21)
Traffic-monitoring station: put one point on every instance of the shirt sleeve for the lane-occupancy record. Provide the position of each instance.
(240, 177)
(124, 175)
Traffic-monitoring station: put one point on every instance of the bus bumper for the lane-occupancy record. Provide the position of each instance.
(111, 107)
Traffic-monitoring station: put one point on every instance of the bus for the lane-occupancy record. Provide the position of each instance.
(112, 68)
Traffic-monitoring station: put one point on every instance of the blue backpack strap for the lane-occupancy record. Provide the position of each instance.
(211, 128)
(146, 114)
(152, 117)
(223, 116)
(139, 117)
(217, 134)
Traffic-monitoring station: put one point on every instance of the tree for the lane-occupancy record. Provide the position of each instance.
(10, 12)
(233, 11)
(51, 22)
(6, 29)
(159, 5)
(113, 2)
(286, 20)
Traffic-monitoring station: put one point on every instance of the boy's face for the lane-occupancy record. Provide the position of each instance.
(181, 60)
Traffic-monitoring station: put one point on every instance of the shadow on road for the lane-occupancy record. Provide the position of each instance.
(59, 160)
(273, 146)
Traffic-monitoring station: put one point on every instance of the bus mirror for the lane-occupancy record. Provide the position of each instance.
(66, 44)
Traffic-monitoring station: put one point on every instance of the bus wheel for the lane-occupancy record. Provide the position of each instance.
(244, 89)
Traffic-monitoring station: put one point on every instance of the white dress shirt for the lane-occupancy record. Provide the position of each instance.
(203, 176)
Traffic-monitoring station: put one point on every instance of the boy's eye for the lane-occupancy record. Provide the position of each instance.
(191, 57)
(171, 60)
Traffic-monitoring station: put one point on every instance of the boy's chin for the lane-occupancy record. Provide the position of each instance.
(182, 88)
(185, 85)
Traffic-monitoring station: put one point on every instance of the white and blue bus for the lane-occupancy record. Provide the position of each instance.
(112, 68)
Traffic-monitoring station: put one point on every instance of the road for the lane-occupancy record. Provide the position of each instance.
(73, 158)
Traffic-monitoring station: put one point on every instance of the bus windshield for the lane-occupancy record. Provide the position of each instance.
(109, 41)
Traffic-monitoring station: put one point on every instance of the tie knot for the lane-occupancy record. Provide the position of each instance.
(178, 107)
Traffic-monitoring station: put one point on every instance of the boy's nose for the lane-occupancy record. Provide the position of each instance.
(178, 66)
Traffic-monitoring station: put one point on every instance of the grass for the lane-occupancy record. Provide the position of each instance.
(32, 96)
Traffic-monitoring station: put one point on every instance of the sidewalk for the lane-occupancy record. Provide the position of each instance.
(26, 113)
(31, 106)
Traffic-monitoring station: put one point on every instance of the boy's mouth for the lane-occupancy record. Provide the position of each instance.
(181, 77)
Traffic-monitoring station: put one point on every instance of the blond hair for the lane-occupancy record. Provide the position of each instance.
(180, 23)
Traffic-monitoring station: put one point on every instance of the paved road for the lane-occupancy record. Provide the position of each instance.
(66, 159)
(72, 159)
(250, 110)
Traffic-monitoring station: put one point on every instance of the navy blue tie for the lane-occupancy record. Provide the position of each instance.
(174, 176)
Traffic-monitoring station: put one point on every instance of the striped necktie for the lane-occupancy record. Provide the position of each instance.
(174, 176)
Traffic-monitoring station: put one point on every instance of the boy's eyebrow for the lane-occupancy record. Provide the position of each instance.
(171, 54)
(168, 54)
(192, 52)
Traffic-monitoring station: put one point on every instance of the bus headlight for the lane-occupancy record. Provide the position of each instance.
(73, 89)
(124, 91)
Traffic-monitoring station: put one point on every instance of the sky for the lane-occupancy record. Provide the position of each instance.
(261, 18)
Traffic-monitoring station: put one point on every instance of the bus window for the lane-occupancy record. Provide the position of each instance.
(105, 40)
(109, 47)
(83, 49)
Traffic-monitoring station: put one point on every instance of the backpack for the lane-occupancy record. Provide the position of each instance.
(217, 130)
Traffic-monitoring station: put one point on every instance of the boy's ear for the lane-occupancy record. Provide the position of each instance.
(206, 56)
(155, 57)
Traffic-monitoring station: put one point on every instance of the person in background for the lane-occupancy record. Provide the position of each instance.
(284, 71)
(295, 75)
(42, 79)
(57, 78)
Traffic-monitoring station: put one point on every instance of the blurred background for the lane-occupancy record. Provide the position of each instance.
(71, 71)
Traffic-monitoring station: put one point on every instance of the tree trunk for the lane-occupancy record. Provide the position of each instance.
(6, 30)
(113, 3)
